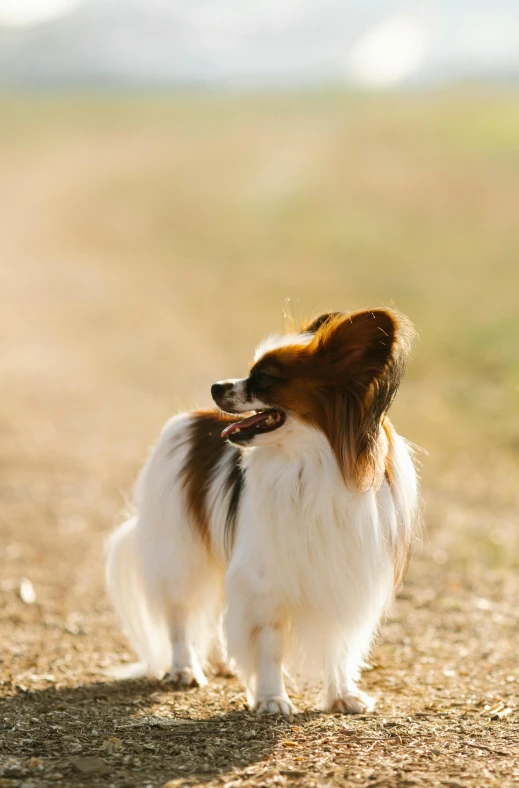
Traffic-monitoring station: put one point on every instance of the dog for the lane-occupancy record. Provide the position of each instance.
(287, 514)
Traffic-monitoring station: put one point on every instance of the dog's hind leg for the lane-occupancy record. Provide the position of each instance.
(193, 611)
(185, 667)
(217, 656)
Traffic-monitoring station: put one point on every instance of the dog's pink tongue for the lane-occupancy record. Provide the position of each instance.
(250, 422)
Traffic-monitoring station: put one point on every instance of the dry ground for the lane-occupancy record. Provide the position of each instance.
(146, 244)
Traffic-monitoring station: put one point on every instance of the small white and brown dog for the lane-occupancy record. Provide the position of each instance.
(290, 520)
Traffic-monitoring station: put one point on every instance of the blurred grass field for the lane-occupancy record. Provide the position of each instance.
(148, 242)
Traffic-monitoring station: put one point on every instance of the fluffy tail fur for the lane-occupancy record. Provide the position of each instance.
(146, 631)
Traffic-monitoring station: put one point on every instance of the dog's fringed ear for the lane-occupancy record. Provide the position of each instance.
(360, 345)
(366, 352)
(315, 324)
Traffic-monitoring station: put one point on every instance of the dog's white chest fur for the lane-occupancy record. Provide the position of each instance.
(322, 550)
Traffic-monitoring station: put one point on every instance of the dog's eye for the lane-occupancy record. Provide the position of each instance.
(262, 379)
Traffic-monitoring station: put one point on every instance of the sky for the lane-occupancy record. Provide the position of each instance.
(374, 43)
(20, 12)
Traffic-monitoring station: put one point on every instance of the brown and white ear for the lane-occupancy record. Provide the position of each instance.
(366, 347)
(367, 352)
(315, 324)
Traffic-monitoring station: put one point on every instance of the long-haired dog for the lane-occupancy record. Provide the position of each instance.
(291, 519)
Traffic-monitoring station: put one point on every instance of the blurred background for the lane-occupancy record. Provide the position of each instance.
(173, 171)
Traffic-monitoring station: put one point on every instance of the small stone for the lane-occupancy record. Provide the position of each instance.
(76, 747)
(89, 764)
(35, 763)
(27, 592)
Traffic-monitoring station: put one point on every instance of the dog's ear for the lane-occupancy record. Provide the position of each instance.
(366, 347)
(365, 353)
(314, 325)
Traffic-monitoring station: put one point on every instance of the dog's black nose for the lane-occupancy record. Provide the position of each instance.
(219, 389)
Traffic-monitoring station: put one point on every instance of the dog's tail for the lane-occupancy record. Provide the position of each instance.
(145, 627)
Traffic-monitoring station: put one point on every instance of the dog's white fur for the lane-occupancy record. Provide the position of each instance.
(310, 575)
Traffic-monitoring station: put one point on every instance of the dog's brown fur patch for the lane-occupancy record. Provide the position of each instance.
(206, 450)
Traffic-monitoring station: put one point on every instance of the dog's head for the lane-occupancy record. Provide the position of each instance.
(339, 375)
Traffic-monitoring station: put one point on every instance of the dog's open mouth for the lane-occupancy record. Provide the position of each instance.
(260, 422)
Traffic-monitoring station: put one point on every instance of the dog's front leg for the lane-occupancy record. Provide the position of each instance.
(256, 634)
(342, 693)
(270, 696)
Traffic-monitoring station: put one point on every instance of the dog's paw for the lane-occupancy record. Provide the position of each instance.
(187, 677)
(275, 704)
(355, 702)
(222, 670)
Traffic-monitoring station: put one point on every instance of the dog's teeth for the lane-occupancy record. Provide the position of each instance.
(270, 420)
(236, 430)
